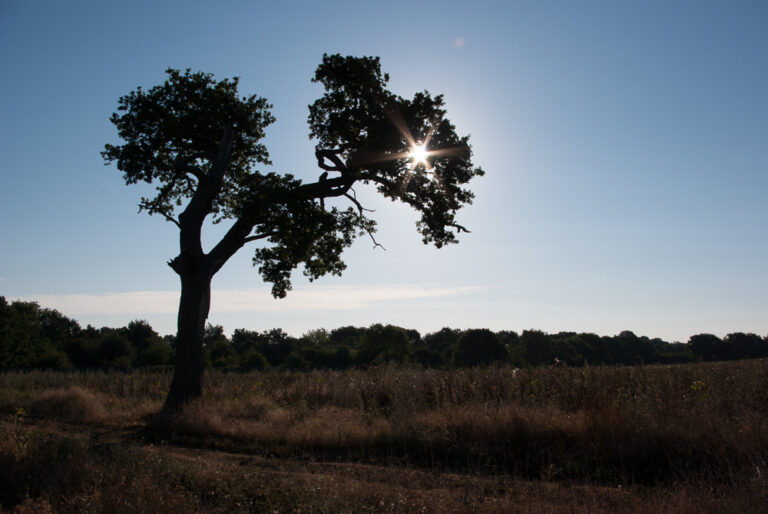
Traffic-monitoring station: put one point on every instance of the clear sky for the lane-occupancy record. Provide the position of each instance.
(625, 146)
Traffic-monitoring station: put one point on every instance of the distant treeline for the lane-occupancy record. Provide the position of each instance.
(35, 337)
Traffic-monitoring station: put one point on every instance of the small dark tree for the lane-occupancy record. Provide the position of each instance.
(197, 141)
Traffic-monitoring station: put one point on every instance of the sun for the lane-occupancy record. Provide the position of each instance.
(418, 154)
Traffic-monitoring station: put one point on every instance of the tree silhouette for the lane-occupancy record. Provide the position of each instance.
(197, 141)
(478, 347)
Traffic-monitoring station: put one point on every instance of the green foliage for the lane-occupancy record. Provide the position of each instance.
(218, 350)
(173, 133)
(115, 349)
(428, 358)
(304, 232)
(197, 139)
(442, 342)
(32, 337)
(318, 337)
(27, 335)
(478, 347)
(373, 130)
(253, 360)
(296, 361)
(384, 343)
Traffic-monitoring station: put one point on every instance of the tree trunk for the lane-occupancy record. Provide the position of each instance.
(187, 383)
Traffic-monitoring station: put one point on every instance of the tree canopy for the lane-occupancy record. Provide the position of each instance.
(196, 139)
(35, 337)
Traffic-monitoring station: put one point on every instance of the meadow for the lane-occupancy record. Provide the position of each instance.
(682, 438)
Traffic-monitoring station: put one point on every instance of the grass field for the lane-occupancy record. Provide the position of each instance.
(687, 438)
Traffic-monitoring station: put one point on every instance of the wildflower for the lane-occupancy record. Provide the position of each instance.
(697, 385)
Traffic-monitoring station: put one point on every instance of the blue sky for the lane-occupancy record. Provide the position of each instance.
(625, 145)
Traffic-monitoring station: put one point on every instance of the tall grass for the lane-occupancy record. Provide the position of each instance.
(43, 473)
(609, 425)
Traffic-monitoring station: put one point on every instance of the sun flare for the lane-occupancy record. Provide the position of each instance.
(418, 154)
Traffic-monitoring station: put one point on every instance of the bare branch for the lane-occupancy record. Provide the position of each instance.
(375, 243)
(459, 228)
(153, 209)
(359, 206)
(353, 198)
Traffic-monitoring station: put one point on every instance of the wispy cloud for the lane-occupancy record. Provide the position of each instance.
(247, 300)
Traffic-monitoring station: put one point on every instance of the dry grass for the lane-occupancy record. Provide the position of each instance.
(687, 438)
(66, 475)
(623, 425)
(73, 404)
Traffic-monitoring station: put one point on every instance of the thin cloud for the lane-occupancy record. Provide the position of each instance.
(247, 300)
(136, 302)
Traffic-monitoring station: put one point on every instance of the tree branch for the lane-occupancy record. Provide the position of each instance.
(359, 206)
(258, 236)
(233, 240)
(333, 156)
(208, 187)
(361, 210)
(375, 243)
(153, 208)
(182, 166)
(459, 228)
(327, 188)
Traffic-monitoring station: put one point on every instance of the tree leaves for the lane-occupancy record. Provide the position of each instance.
(177, 133)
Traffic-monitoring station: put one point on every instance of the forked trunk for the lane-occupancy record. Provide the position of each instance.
(187, 383)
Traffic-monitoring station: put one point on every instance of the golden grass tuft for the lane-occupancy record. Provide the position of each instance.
(73, 404)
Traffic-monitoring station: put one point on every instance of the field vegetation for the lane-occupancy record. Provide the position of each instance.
(684, 438)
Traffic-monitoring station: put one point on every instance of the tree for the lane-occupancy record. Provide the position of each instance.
(535, 346)
(442, 341)
(217, 349)
(384, 343)
(151, 350)
(706, 346)
(197, 141)
(478, 347)
(746, 346)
